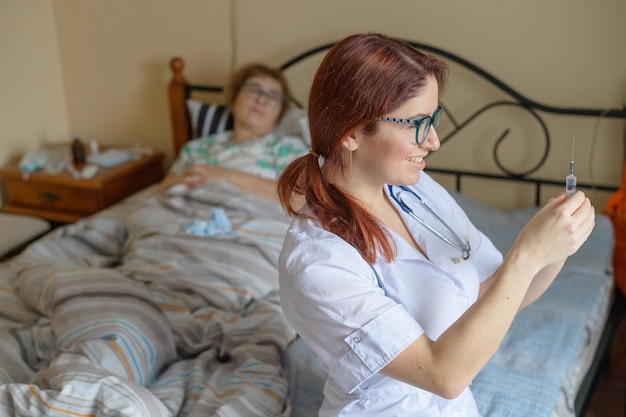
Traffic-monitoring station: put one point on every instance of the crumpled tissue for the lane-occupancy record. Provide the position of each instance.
(218, 225)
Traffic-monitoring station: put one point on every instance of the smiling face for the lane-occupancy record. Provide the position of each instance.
(391, 155)
(253, 111)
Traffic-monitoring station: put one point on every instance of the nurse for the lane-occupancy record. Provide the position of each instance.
(381, 273)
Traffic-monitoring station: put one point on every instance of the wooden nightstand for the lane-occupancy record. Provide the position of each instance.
(65, 199)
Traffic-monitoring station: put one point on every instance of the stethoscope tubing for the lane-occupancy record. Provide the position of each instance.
(458, 243)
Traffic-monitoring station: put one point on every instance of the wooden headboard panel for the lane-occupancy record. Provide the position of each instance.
(179, 92)
(178, 95)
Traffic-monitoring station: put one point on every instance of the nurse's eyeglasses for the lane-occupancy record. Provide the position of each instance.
(422, 125)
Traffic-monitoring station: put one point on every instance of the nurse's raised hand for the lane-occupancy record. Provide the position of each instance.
(557, 231)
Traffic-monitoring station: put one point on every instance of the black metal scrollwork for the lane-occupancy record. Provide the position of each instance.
(460, 126)
(518, 100)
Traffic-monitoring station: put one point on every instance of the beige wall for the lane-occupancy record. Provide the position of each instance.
(115, 56)
(32, 98)
(100, 67)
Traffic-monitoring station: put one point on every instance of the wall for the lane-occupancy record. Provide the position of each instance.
(558, 53)
(114, 57)
(32, 97)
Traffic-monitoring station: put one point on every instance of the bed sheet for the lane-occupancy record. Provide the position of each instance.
(134, 312)
(539, 365)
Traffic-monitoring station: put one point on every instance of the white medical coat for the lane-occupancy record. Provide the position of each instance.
(333, 299)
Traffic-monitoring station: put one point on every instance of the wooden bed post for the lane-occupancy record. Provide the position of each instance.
(178, 97)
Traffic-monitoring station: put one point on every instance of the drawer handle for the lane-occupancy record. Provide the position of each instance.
(50, 197)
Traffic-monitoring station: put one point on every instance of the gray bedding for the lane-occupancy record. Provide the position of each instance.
(167, 305)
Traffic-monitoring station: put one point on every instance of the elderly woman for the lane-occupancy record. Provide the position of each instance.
(253, 154)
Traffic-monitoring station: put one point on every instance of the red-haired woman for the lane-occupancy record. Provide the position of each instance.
(382, 274)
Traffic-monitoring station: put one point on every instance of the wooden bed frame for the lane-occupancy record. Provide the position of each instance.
(180, 90)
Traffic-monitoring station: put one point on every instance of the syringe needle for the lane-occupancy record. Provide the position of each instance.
(570, 180)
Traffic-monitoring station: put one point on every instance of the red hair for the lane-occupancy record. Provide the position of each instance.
(362, 77)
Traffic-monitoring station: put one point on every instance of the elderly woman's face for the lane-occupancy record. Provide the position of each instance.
(258, 104)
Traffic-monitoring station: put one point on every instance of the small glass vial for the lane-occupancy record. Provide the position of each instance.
(94, 148)
(78, 150)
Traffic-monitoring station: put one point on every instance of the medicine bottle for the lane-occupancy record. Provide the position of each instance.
(78, 150)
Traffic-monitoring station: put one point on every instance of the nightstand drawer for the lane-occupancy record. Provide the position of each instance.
(63, 199)
(52, 197)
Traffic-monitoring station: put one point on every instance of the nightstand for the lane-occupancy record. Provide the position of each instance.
(65, 199)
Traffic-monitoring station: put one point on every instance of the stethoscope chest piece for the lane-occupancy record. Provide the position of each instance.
(460, 259)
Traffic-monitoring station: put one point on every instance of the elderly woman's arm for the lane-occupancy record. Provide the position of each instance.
(169, 180)
(198, 174)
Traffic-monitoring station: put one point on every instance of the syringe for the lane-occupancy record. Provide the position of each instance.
(570, 180)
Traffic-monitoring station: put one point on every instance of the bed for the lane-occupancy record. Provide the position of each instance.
(166, 304)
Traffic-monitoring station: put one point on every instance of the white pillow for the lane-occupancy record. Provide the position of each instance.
(295, 123)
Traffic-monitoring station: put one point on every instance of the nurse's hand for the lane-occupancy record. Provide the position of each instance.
(556, 231)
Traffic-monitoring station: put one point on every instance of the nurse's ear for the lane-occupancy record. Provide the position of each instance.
(350, 143)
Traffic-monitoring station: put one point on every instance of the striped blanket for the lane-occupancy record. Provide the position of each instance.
(128, 313)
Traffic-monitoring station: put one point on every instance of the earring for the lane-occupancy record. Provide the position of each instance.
(350, 165)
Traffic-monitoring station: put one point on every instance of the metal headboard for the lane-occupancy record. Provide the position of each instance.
(517, 100)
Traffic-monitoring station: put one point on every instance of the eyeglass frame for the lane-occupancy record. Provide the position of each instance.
(433, 121)
(268, 95)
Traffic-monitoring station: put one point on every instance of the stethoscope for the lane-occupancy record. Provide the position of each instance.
(463, 245)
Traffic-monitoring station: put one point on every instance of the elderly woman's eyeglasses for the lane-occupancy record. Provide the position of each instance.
(422, 125)
(254, 91)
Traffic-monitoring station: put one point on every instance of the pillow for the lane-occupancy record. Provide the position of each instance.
(208, 119)
(295, 123)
